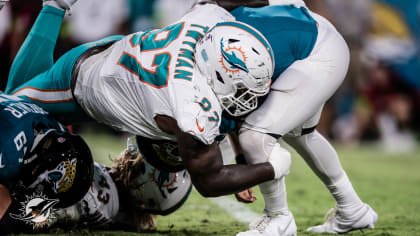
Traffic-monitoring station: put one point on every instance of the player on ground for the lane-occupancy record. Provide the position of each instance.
(42, 166)
(128, 195)
(148, 84)
(311, 62)
(46, 169)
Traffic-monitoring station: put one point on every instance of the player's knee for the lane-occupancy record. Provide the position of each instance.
(281, 160)
(257, 146)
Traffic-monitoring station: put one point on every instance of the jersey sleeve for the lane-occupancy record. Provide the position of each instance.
(198, 112)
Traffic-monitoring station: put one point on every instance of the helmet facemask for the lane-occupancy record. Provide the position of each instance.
(242, 101)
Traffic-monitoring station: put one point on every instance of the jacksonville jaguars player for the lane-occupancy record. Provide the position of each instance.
(311, 61)
(46, 169)
(148, 84)
(42, 166)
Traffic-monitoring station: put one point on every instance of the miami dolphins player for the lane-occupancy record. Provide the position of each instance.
(129, 194)
(311, 62)
(148, 84)
(42, 166)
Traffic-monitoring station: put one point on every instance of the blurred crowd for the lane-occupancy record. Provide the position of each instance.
(378, 102)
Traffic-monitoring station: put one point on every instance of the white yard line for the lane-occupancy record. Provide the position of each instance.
(236, 209)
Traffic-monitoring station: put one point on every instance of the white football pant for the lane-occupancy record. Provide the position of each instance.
(293, 109)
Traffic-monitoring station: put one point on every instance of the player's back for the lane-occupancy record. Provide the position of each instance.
(18, 122)
(152, 73)
(290, 30)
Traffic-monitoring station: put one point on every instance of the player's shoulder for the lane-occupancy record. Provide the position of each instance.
(208, 13)
(274, 15)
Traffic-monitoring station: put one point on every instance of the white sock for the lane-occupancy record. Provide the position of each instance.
(345, 195)
(275, 196)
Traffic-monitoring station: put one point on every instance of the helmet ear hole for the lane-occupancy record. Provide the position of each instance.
(233, 41)
(219, 77)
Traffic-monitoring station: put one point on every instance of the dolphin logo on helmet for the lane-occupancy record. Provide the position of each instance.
(232, 59)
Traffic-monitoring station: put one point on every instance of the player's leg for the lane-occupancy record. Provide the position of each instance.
(36, 78)
(298, 94)
(276, 219)
(36, 53)
(351, 213)
(52, 89)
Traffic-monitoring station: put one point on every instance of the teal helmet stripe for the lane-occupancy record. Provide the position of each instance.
(250, 30)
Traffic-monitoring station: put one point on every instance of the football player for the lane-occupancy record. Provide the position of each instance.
(42, 166)
(128, 195)
(148, 84)
(311, 61)
(47, 177)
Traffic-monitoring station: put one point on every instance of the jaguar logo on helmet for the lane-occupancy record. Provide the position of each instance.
(62, 165)
(63, 175)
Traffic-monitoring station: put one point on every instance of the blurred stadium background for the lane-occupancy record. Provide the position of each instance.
(374, 118)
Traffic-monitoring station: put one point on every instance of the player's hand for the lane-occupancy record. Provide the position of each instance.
(246, 196)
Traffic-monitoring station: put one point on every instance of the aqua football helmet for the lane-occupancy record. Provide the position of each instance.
(238, 63)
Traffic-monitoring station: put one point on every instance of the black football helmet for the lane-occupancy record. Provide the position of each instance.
(60, 165)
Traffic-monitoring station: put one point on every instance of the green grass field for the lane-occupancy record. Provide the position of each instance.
(389, 183)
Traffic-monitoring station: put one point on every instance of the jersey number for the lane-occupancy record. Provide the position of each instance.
(20, 140)
(158, 75)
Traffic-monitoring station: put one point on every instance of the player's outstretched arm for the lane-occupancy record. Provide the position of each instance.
(205, 165)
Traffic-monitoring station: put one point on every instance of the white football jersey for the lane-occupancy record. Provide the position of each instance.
(153, 73)
(100, 204)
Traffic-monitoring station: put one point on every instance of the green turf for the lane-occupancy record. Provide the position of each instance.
(389, 183)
